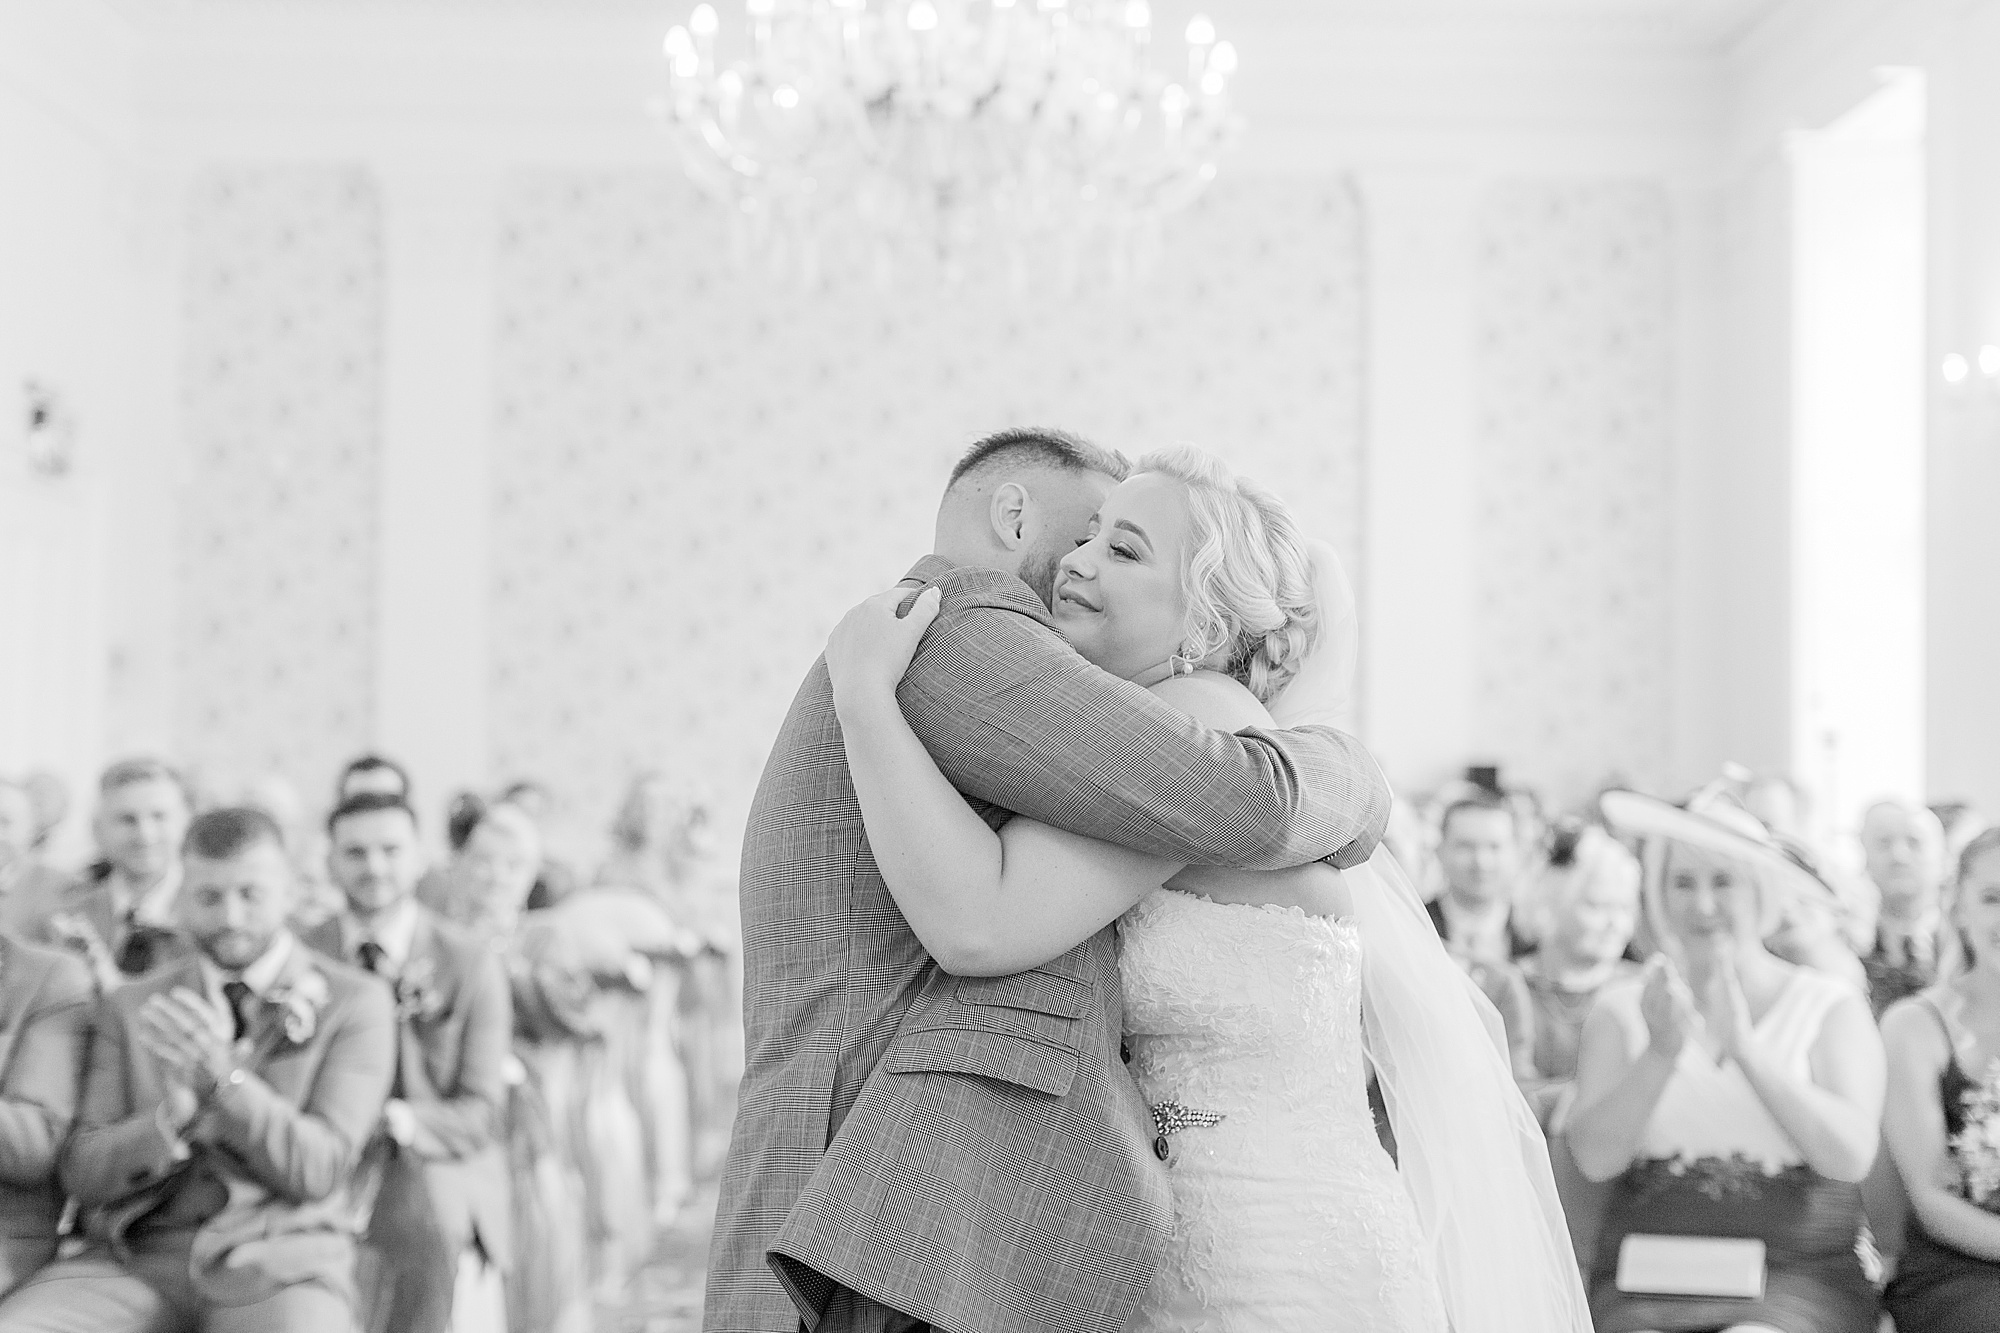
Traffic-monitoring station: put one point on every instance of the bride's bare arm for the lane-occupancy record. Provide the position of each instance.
(987, 903)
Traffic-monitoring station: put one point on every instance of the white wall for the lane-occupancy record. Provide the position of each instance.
(67, 258)
(1625, 175)
(1800, 70)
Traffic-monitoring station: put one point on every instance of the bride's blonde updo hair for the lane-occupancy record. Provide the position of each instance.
(1247, 579)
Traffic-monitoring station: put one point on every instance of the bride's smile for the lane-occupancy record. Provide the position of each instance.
(1118, 595)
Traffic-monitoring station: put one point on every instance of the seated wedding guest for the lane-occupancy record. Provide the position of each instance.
(48, 794)
(120, 913)
(318, 898)
(1588, 898)
(1943, 1119)
(1728, 1093)
(556, 1022)
(1479, 851)
(226, 1099)
(555, 878)
(663, 844)
(45, 999)
(25, 881)
(372, 773)
(1809, 924)
(1780, 804)
(434, 1163)
(1903, 847)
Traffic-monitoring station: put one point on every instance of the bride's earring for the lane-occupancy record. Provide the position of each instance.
(1182, 664)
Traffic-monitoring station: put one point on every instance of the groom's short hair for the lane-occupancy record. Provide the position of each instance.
(1037, 446)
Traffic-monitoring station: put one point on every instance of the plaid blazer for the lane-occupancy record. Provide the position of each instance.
(992, 1175)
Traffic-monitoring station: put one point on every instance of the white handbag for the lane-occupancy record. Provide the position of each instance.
(1710, 1266)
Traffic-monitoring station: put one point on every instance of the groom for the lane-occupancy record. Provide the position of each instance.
(995, 1175)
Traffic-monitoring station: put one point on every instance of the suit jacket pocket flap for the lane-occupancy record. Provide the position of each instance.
(1026, 1062)
(1040, 991)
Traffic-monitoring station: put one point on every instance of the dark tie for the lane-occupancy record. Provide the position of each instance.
(373, 956)
(238, 994)
(135, 945)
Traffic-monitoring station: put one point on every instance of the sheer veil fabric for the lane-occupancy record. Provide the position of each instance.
(1469, 1150)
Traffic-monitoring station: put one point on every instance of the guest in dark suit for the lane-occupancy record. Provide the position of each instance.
(1479, 850)
(1904, 848)
(119, 914)
(45, 998)
(442, 1176)
(226, 1099)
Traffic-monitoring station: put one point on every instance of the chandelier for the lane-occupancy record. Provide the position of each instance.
(1022, 134)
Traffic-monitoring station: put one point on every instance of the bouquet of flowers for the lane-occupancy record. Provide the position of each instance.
(1977, 1147)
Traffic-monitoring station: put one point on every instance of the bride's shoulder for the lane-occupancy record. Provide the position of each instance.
(1214, 700)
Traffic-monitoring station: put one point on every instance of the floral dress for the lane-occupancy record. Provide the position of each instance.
(1938, 1289)
(1713, 1162)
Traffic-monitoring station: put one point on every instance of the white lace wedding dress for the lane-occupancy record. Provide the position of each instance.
(1288, 1215)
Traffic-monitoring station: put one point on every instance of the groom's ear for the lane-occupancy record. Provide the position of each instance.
(1008, 513)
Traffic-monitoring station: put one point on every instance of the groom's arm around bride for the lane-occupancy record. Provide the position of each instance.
(1023, 1099)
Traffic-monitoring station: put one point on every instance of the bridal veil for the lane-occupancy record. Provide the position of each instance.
(1468, 1148)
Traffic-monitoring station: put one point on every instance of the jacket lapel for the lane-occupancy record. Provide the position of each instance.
(21, 978)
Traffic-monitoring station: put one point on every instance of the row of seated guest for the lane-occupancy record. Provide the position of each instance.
(1728, 1092)
(1731, 1089)
(1942, 1124)
(420, 1175)
(592, 979)
(225, 1100)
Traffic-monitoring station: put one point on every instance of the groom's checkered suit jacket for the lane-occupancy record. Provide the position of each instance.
(992, 1173)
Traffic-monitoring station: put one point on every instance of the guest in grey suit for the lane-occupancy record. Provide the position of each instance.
(1056, 1211)
(45, 999)
(226, 1098)
(119, 915)
(438, 1175)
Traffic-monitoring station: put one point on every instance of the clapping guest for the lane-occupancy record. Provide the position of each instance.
(1728, 1092)
(226, 1099)
(120, 914)
(1903, 844)
(1943, 1113)
(1587, 897)
(440, 1178)
(45, 998)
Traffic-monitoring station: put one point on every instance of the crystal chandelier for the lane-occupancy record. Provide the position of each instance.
(1027, 134)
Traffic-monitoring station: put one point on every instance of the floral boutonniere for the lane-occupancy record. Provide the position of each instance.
(300, 1005)
(418, 995)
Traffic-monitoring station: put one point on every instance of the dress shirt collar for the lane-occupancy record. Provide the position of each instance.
(1479, 932)
(260, 976)
(395, 931)
(1909, 941)
(153, 905)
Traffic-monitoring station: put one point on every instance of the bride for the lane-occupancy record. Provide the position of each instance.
(1255, 1003)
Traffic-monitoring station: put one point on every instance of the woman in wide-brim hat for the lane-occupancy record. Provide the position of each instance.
(1727, 1091)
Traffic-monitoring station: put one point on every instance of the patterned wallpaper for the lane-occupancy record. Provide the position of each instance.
(697, 471)
(1575, 426)
(281, 396)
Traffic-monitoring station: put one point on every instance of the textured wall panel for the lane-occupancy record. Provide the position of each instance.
(1574, 431)
(696, 473)
(282, 385)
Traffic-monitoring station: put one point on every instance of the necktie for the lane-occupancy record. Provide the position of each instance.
(238, 994)
(135, 945)
(373, 956)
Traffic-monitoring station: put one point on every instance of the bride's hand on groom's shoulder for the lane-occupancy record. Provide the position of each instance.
(871, 647)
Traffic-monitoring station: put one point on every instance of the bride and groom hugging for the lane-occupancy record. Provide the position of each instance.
(998, 1076)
